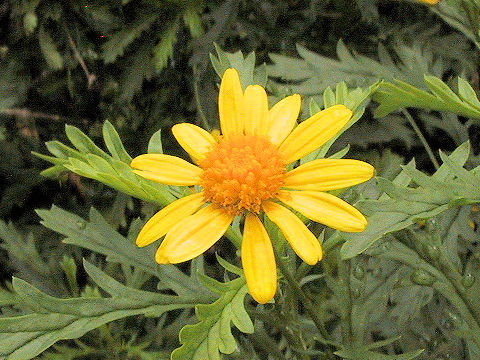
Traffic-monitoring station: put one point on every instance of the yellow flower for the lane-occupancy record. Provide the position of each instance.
(430, 2)
(243, 172)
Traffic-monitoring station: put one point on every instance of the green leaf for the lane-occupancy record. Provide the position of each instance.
(97, 235)
(401, 206)
(53, 319)
(245, 65)
(164, 49)
(212, 335)
(92, 162)
(155, 143)
(7, 297)
(118, 42)
(114, 143)
(49, 50)
(82, 142)
(467, 94)
(397, 95)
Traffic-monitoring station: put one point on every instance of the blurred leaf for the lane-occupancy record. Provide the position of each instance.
(14, 83)
(359, 354)
(118, 42)
(139, 67)
(27, 260)
(316, 72)
(49, 50)
(249, 75)
(164, 48)
(193, 20)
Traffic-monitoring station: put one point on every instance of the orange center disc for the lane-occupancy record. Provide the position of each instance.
(242, 171)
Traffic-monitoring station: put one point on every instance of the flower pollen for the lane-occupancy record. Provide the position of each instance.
(242, 171)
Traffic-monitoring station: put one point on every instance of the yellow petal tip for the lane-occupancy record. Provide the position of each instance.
(160, 258)
(262, 296)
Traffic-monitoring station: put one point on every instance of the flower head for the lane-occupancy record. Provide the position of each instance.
(244, 172)
(430, 2)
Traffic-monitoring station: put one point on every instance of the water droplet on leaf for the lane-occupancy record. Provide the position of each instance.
(356, 292)
(359, 272)
(468, 280)
(433, 252)
(421, 277)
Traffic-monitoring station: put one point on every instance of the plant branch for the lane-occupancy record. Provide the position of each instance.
(306, 302)
(90, 77)
(422, 138)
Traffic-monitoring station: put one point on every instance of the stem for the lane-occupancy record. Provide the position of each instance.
(443, 283)
(263, 341)
(196, 93)
(422, 138)
(25, 113)
(90, 77)
(344, 275)
(332, 241)
(274, 321)
(306, 302)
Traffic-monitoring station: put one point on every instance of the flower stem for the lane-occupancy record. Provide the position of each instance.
(417, 130)
(306, 302)
(196, 93)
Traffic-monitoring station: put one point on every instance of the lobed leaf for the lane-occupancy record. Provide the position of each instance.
(212, 335)
(97, 235)
(401, 206)
(395, 95)
(53, 319)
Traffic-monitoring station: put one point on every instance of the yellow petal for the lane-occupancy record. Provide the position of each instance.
(258, 260)
(165, 219)
(314, 132)
(300, 238)
(193, 139)
(231, 104)
(166, 169)
(328, 174)
(282, 118)
(256, 110)
(193, 235)
(325, 209)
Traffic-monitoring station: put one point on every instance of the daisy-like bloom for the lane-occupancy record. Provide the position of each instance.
(430, 2)
(244, 172)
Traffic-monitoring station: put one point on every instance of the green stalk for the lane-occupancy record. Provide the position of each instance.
(444, 283)
(417, 130)
(306, 302)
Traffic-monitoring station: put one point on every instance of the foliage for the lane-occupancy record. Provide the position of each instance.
(400, 206)
(400, 94)
(212, 334)
(74, 74)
